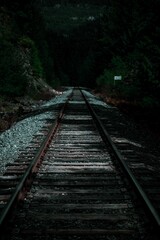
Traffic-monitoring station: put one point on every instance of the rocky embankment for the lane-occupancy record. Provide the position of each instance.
(11, 109)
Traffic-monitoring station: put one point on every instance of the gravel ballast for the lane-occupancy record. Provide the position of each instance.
(18, 137)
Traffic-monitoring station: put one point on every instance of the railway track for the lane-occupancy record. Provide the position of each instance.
(80, 190)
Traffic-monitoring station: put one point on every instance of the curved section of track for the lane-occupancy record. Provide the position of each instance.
(79, 191)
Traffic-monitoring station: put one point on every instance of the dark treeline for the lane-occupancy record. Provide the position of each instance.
(65, 2)
(131, 47)
(89, 42)
(74, 30)
(24, 51)
(123, 41)
(75, 55)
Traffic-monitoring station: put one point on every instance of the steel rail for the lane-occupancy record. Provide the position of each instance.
(33, 165)
(106, 137)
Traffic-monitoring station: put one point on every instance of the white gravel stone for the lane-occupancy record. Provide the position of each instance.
(95, 101)
(18, 137)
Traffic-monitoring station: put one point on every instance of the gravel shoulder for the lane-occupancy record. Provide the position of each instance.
(144, 141)
(18, 137)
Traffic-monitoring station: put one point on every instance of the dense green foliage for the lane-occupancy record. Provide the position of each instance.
(73, 31)
(121, 39)
(13, 81)
(24, 51)
(65, 18)
(86, 43)
(130, 35)
(29, 44)
(12, 78)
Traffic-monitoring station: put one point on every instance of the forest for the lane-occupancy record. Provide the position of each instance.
(82, 43)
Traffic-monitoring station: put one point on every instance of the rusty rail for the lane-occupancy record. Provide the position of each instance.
(106, 137)
(33, 167)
